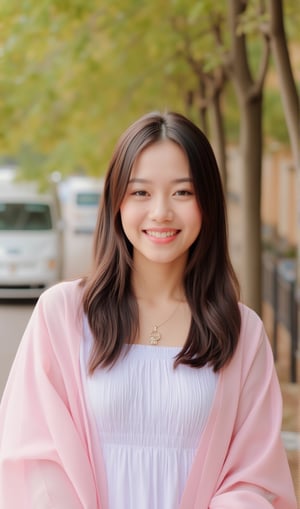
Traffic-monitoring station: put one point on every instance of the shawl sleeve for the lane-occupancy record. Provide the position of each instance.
(255, 473)
(44, 460)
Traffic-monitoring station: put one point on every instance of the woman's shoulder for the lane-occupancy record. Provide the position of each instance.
(61, 299)
(253, 347)
(58, 314)
(64, 289)
(248, 315)
(253, 331)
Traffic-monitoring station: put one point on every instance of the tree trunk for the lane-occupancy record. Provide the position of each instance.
(218, 136)
(202, 107)
(249, 95)
(251, 161)
(287, 82)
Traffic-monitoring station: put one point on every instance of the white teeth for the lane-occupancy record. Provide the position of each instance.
(160, 235)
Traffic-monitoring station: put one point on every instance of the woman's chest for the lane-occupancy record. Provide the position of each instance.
(142, 399)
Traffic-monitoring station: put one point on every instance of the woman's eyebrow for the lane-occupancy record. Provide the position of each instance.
(139, 181)
(147, 181)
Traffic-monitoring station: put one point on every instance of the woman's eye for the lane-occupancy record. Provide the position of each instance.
(183, 192)
(139, 193)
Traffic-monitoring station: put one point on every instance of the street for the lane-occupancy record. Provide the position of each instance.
(13, 319)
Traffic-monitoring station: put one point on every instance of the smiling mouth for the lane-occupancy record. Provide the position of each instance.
(161, 235)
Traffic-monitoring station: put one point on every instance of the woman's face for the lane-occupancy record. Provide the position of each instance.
(159, 212)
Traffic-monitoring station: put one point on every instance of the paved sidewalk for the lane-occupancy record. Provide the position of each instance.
(291, 399)
(291, 430)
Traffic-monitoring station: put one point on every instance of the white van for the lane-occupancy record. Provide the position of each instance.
(30, 241)
(80, 197)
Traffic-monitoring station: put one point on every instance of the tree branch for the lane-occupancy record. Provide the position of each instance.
(259, 83)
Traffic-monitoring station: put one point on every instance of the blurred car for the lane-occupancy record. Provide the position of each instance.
(30, 244)
(80, 197)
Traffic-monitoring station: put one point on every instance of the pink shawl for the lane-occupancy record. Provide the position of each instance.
(47, 460)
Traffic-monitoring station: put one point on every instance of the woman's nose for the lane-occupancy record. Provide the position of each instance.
(161, 210)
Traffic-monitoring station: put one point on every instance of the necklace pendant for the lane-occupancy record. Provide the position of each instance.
(154, 336)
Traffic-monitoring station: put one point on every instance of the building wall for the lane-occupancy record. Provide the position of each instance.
(279, 198)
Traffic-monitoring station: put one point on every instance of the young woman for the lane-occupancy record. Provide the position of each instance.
(147, 385)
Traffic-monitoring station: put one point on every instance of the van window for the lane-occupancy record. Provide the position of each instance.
(87, 199)
(25, 216)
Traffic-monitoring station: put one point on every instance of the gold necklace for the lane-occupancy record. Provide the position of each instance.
(155, 335)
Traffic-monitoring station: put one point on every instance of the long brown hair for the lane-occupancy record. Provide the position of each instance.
(211, 286)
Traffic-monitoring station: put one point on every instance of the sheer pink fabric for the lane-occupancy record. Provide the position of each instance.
(47, 460)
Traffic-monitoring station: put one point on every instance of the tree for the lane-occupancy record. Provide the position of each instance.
(289, 94)
(287, 83)
(71, 94)
(249, 91)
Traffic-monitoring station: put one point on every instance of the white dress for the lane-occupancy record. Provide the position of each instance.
(149, 418)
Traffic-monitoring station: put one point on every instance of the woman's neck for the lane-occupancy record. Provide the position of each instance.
(156, 282)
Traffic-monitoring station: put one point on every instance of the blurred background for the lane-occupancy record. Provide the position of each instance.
(75, 74)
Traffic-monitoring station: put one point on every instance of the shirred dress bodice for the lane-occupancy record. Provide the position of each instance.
(149, 417)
